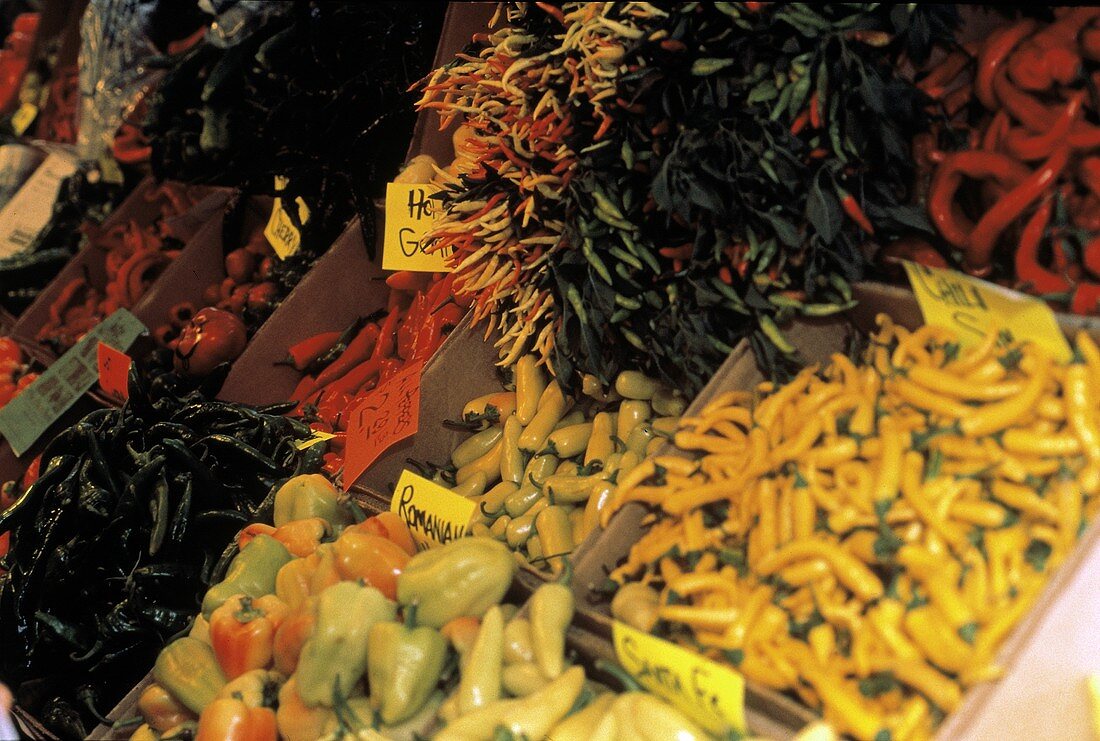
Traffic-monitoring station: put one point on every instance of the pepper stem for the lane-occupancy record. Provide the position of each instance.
(628, 682)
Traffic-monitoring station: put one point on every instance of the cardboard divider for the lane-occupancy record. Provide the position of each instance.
(342, 285)
(90, 262)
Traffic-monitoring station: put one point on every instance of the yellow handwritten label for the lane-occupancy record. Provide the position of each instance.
(974, 308)
(409, 215)
(711, 694)
(435, 514)
(280, 231)
(319, 436)
(23, 117)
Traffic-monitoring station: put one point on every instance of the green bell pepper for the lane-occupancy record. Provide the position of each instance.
(188, 669)
(403, 668)
(309, 495)
(251, 573)
(462, 578)
(335, 656)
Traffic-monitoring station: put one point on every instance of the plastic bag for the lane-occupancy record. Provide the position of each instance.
(237, 18)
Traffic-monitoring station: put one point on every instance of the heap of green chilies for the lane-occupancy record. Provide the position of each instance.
(647, 184)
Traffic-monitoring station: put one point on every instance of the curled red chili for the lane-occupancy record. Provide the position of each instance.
(984, 237)
(943, 207)
(1029, 270)
(997, 48)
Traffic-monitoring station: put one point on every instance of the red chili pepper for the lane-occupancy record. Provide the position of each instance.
(851, 207)
(935, 82)
(913, 249)
(945, 211)
(1039, 146)
(407, 280)
(350, 382)
(800, 122)
(358, 350)
(1023, 107)
(1091, 256)
(301, 354)
(815, 111)
(982, 240)
(997, 47)
(1086, 297)
(1029, 270)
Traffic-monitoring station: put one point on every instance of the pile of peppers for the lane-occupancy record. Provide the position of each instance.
(1019, 202)
(339, 367)
(330, 628)
(57, 122)
(135, 255)
(113, 546)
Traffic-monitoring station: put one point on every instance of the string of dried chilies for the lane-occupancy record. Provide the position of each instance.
(635, 175)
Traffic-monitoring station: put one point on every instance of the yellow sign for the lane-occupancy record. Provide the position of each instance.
(975, 308)
(319, 436)
(434, 513)
(23, 117)
(711, 694)
(280, 231)
(409, 216)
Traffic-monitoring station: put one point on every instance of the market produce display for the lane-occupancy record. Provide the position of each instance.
(542, 466)
(662, 520)
(867, 535)
(15, 58)
(134, 255)
(313, 647)
(653, 185)
(112, 546)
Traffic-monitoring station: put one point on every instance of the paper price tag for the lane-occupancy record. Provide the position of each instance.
(23, 117)
(711, 694)
(435, 514)
(114, 371)
(388, 414)
(319, 436)
(27, 416)
(280, 231)
(28, 212)
(409, 216)
(975, 308)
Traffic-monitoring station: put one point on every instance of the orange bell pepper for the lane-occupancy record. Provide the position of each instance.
(251, 531)
(296, 720)
(242, 632)
(372, 558)
(301, 537)
(232, 720)
(292, 635)
(160, 710)
(325, 573)
(391, 527)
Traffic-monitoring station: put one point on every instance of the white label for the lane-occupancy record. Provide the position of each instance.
(29, 211)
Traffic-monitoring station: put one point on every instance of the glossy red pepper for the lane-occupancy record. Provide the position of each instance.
(1029, 271)
(211, 338)
(994, 52)
(943, 206)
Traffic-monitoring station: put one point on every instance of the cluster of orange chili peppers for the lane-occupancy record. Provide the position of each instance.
(135, 255)
(1027, 81)
(420, 314)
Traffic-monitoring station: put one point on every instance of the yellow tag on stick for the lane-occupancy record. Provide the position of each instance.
(280, 231)
(319, 436)
(974, 308)
(409, 216)
(435, 514)
(710, 694)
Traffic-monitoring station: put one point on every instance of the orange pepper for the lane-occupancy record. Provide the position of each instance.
(325, 573)
(298, 721)
(230, 719)
(160, 710)
(242, 632)
(391, 527)
(251, 531)
(301, 537)
(292, 635)
(372, 558)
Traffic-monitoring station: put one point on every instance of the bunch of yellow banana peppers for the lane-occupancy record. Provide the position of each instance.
(327, 629)
(542, 466)
(867, 535)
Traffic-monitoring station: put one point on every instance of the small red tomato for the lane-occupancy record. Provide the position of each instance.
(212, 294)
(211, 338)
(240, 264)
(9, 350)
(258, 244)
(267, 268)
(225, 290)
(262, 295)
